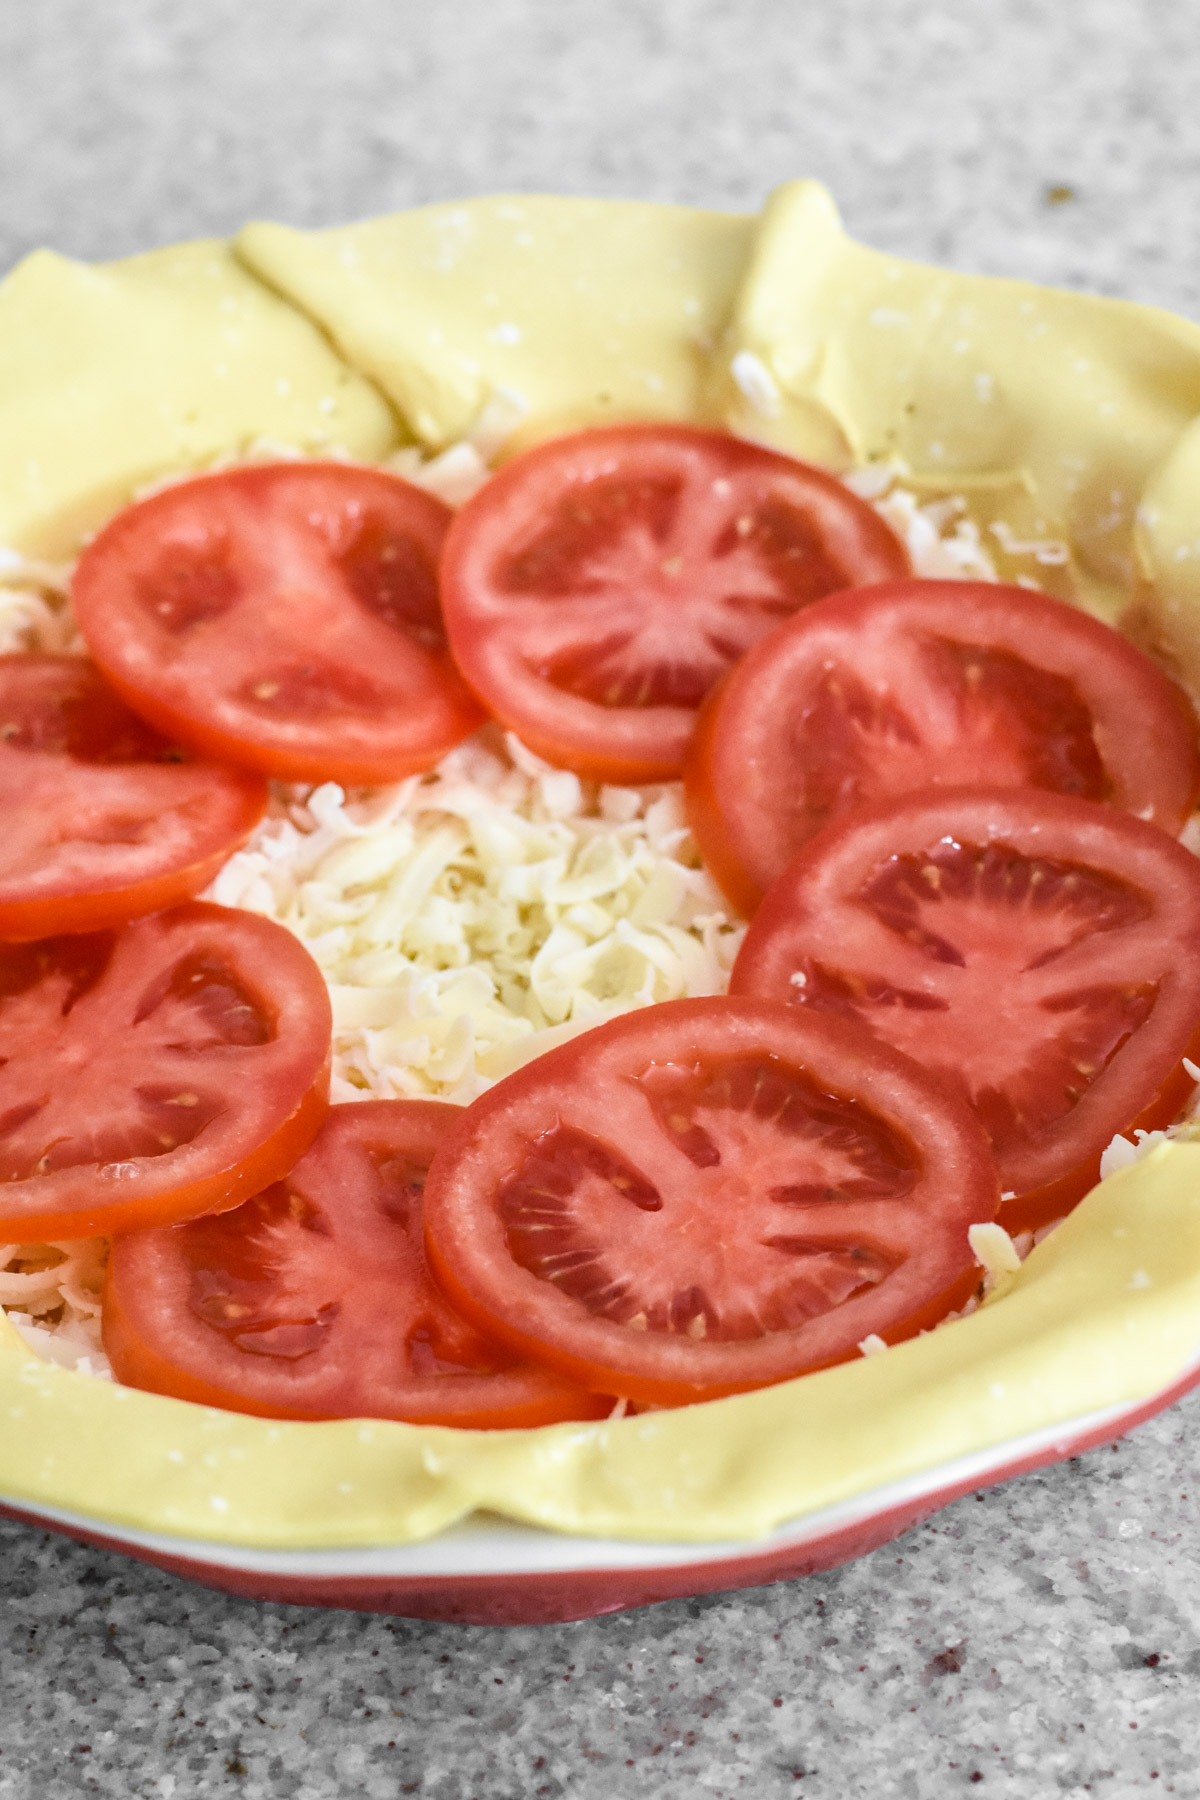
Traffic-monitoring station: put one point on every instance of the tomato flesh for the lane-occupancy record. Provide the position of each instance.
(283, 616)
(893, 688)
(313, 1300)
(1042, 953)
(103, 819)
(707, 1196)
(600, 584)
(156, 1073)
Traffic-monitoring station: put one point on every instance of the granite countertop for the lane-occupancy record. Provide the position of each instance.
(1037, 1639)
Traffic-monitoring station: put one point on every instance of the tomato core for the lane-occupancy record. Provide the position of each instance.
(735, 1269)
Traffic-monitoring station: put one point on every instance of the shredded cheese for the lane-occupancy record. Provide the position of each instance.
(469, 919)
(51, 1293)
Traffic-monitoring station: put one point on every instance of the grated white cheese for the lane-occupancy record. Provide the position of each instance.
(942, 542)
(469, 919)
(51, 1294)
(993, 1249)
(755, 380)
(35, 612)
(1123, 1152)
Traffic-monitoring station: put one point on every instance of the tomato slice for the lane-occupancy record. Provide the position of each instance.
(707, 1196)
(103, 819)
(313, 1300)
(155, 1073)
(910, 683)
(600, 584)
(1040, 952)
(284, 616)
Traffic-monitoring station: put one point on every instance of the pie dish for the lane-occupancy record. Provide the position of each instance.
(1064, 425)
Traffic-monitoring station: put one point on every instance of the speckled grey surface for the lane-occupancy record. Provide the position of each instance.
(1043, 1639)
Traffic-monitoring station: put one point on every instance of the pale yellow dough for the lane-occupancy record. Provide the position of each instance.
(584, 310)
(1166, 613)
(1053, 414)
(1049, 411)
(113, 376)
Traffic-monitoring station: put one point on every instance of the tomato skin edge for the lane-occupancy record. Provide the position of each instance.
(269, 1162)
(704, 816)
(613, 771)
(349, 771)
(144, 1368)
(1044, 1205)
(23, 921)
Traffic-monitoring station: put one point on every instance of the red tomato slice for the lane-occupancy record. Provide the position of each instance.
(916, 682)
(706, 1196)
(149, 1075)
(103, 820)
(600, 584)
(284, 616)
(1042, 953)
(313, 1301)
